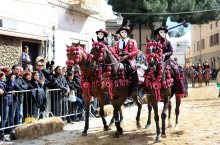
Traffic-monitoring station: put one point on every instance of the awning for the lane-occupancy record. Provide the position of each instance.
(21, 35)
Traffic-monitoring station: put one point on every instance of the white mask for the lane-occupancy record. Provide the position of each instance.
(100, 35)
(123, 33)
(162, 33)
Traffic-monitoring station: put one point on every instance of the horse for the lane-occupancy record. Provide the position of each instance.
(78, 56)
(116, 82)
(159, 80)
(200, 77)
(207, 76)
(192, 74)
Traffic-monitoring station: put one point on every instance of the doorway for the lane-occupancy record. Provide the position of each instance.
(34, 50)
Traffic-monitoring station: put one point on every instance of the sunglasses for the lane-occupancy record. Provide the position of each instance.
(40, 65)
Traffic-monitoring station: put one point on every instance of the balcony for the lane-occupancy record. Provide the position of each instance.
(89, 7)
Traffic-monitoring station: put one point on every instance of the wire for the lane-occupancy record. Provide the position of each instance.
(175, 13)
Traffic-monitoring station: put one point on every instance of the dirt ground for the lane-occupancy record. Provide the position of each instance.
(199, 124)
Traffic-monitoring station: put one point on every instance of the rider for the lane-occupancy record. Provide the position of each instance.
(193, 67)
(180, 82)
(127, 49)
(206, 65)
(101, 36)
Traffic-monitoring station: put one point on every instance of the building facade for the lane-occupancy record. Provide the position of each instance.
(205, 46)
(47, 26)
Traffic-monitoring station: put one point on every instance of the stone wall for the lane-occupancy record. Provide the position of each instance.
(10, 50)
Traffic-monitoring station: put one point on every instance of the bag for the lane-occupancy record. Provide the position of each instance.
(72, 96)
(29, 119)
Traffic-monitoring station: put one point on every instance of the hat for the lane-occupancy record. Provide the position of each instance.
(103, 31)
(156, 31)
(39, 58)
(123, 28)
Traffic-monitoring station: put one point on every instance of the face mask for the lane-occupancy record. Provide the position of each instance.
(162, 33)
(123, 33)
(100, 35)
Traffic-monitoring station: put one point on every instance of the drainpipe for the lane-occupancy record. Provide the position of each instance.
(53, 43)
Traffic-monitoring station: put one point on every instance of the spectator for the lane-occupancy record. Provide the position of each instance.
(79, 97)
(39, 67)
(26, 60)
(59, 98)
(19, 85)
(6, 100)
(64, 71)
(27, 99)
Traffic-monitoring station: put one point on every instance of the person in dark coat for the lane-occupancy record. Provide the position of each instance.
(59, 98)
(6, 103)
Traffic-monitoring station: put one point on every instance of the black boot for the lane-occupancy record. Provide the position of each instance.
(134, 82)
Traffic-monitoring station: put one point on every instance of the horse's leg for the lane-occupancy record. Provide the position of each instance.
(169, 114)
(84, 133)
(137, 101)
(156, 118)
(101, 113)
(149, 106)
(164, 115)
(121, 115)
(117, 122)
(177, 110)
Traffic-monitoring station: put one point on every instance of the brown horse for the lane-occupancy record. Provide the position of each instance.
(192, 74)
(200, 77)
(207, 76)
(76, 55)
(159, 85)
(117, 83)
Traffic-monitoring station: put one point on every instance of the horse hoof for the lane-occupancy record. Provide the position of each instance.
(147, 126)
(117, 134)
(106, 128)
(176, 127)
(164, 135)
(158, 138)
(169, 125)
(84, 133)
(138, 124)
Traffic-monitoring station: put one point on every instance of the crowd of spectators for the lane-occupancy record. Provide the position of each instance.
(16, 104)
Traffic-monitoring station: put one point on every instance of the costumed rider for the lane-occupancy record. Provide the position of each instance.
(101, 36)
(180, 82)
(127, 49)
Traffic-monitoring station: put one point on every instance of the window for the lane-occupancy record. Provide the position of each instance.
(211, 26)
(216, 24)
(203, 44)
(197, 46)
(214, 39)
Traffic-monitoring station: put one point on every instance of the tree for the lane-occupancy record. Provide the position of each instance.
(166, 6)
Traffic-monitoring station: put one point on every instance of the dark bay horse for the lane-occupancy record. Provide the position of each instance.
(76, 55)
(207, 76)
(192, 75)
(200, 77)
(159, 83)
(116, 81)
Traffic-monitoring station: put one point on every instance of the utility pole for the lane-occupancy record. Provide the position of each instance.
(200, 44)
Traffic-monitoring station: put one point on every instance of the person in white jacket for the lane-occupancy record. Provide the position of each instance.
(218, 82)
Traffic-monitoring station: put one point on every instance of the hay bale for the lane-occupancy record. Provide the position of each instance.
(108, 110)
(39, 128)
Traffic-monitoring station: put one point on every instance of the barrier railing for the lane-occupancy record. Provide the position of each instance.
(22, 108)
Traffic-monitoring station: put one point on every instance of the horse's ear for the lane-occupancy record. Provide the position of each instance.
(147, 40)
(67, 46)
(93, 40)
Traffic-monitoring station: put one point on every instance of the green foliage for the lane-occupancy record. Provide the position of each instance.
(163, 6)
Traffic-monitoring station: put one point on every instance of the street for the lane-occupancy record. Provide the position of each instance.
(199, 124)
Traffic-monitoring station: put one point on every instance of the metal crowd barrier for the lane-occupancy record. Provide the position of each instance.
(57, 105)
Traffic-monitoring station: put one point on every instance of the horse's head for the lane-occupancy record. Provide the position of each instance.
(75, 54)
(153, 54)
(98, 51)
